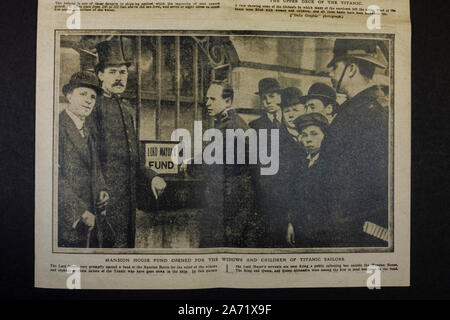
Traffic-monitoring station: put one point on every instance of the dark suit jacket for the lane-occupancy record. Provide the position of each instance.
(271, 205)
(80, 181)
(228, 197)
(262, 122)
(309, 207)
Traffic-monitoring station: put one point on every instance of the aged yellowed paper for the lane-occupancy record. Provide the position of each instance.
(244, 144)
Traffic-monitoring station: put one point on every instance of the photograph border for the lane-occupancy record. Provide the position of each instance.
(220, 250)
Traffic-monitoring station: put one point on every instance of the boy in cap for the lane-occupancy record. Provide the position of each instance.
(81, 187)
(312, 128)
(114, 119)
(355, 150)
(308, 213)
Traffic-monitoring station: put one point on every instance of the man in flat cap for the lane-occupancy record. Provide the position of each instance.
(321, 99)
(82, 194)
(115, 122)
(355, 149)
(266, 187)
(229, 217)
(308, 225)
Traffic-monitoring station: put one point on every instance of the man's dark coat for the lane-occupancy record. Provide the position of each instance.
(272, 193)
(309, 211)
(79, 183)
(119, 157)
(229, 218)
(355, 154)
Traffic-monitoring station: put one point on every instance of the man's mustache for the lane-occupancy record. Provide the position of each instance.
(118, 84)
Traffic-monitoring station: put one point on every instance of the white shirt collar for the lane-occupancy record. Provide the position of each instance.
(312, 159)
(78, 122)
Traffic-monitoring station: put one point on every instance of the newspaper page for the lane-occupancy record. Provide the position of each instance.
(212, 143)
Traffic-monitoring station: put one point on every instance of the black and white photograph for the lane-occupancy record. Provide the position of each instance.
(208, 141)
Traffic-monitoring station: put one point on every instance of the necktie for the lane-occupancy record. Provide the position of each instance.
(84, 132)
(276, 122)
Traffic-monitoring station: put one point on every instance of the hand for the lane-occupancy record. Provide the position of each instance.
(290, 235)
(183, 166)
(102, 201)
(88, 219)
(158, 186)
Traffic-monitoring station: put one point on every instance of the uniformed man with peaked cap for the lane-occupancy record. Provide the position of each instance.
(355, 149)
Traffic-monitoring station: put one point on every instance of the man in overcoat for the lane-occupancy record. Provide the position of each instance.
(321, 99)
(355, 149)
(82, 195)
(115, 123)
(266, 187)
(229, 218)
(291, 156)
(290, 148)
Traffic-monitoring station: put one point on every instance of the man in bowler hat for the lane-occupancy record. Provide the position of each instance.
(292, 108)
(270, 205)
(321, 99)
(291, 155)
(355, 149)
(291, 148)
(119, 146)
(270, 96)
(82, 192)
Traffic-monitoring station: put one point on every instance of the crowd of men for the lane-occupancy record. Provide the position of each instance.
(331, 189)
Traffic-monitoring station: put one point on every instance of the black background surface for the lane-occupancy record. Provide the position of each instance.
(430, 262)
